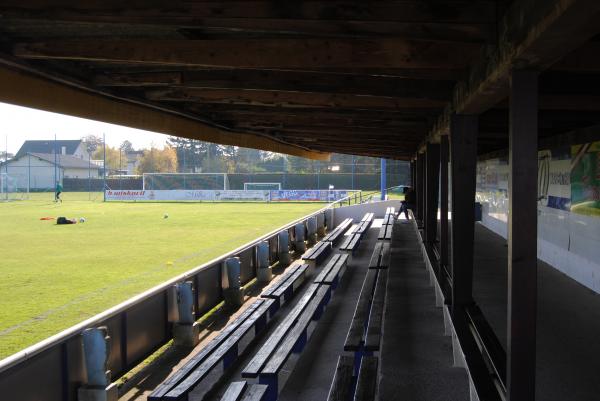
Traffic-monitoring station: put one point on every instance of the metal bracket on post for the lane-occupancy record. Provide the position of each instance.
(263, 270)
(96, 350)
(283, 248)
(185, 330)
(321, 224)
(234, 295)
(311, 228)
(299, 243)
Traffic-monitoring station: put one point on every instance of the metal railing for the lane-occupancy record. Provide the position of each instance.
(137, 327)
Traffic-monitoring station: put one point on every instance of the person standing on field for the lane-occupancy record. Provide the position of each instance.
(57, 192)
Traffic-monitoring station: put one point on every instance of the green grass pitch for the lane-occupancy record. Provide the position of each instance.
(56, 276)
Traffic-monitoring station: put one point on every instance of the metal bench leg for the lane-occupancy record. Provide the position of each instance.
(273, 386)
(230, 356)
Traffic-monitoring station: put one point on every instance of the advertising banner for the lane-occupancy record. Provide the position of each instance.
(585, 179)
(187, 195)
(554, 178)
(308, 195)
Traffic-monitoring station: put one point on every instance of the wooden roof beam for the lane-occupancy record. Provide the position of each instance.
(282, 99)
(535, 35)
(156, 12)
(252, 53)
(31, 91)
(285, 81)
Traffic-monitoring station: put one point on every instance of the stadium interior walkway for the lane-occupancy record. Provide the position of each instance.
(568, 321)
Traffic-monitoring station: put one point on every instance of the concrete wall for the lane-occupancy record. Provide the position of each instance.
(568, 237)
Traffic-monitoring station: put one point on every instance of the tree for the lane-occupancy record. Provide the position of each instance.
(113, 157)
(158, 161)
(126, 146)
(92, 143)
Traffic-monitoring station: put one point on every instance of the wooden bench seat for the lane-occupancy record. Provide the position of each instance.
(351, 243)
(225, 348)
(332, 272)
(366, 326)
(375, 325)
(368, 217)
(381, 256)
(366, 386)
(337, 233)
(390, 210)
(317, 254)
(289, 337)
(385, 233)
(241, 391)
(354, 339)
(341, 386)
(283, 290)
(388, 220)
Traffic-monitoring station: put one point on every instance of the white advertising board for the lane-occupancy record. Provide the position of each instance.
(186, 195)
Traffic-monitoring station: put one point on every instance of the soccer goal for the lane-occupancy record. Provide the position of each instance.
(171, 181)
(252, 186)
(10, 188)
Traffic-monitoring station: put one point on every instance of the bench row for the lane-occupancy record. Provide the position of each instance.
(352, 241)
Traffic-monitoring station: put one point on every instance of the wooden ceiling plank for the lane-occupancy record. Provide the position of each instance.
(189, 12)
(252, 53)
(283, 99)
(284, 81)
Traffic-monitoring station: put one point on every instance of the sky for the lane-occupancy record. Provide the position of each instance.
(18, 124)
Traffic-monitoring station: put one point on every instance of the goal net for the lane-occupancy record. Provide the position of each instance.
(170, 181)
(10, 188)
(251, 186)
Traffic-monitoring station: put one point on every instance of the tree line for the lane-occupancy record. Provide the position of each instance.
(192, 156)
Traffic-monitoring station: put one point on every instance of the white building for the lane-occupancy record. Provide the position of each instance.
(40, 171)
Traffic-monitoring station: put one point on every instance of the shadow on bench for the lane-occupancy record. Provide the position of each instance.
(205, 368)
(364, 334)
(346, 386)
(381, 256)
(290, 337)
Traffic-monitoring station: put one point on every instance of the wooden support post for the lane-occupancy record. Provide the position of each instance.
(463, 158)
(522, 236)
(420, 187)
(432, 171)
(413, 173)
(444, 201)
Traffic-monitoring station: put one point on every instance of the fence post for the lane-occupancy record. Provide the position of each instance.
(263, 270)
(96, 351)
(299, 234)
(283, 248)
(233, 294)
(321, 224)
(311, 228)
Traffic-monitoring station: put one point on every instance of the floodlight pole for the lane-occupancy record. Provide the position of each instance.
(383, 178)
(104, 167)
(55, 165)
